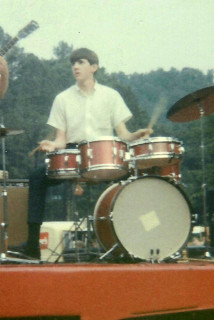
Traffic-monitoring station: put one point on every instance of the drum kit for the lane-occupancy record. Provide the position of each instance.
(110, 159)
(144, 213)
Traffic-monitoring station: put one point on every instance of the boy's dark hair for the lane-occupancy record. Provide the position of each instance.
(84, 53)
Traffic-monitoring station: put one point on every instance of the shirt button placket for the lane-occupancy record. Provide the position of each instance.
(88, 118)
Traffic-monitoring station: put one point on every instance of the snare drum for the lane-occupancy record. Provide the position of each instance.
(148, 218)
(157, 151)
(103, 159)
(63, 164)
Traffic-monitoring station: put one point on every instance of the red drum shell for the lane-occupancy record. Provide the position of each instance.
(103, 159)
(147, 218)
(171, 172)
(102, 222)
(159, 151)
(63, 164)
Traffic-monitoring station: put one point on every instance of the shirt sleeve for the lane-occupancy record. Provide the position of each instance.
(57, 116)
(120, 111)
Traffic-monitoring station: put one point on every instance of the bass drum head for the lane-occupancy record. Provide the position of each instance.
(151, 218)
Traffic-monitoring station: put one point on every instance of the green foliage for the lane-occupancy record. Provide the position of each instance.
(63, 50)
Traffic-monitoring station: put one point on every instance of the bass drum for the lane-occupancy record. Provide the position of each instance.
(147, 218)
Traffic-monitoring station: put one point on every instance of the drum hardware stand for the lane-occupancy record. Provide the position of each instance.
(203, 186)
(121, 256)
(108, 252)
(90, 220)
(136, 171)
(177, 255)
(200, 100)
(77, 227)
(73, 215)
(4, 223)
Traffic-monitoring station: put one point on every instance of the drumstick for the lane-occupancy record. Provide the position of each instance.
(158, 109)
(33, 151)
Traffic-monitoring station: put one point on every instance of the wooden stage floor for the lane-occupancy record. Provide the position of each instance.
(105, 291)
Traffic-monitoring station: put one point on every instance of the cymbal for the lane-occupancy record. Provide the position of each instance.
(10, 132)
(188, 108)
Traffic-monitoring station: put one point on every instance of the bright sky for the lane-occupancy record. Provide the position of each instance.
(128, 35)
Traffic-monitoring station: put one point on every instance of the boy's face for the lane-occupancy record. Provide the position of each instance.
(83, 70)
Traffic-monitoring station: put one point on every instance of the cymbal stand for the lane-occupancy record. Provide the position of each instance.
(73, 214)
(4, 223)
(204, 186)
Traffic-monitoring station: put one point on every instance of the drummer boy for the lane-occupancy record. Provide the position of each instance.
(84, 111)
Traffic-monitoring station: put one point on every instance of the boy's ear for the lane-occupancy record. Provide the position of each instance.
(94, 67)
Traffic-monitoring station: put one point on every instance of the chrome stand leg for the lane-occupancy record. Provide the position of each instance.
(207, 253)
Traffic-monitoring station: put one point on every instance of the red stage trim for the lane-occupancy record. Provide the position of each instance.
(107, 292)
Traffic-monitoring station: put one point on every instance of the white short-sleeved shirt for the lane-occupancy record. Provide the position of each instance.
(87, 117)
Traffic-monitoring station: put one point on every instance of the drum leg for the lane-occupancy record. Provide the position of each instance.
(108, 252)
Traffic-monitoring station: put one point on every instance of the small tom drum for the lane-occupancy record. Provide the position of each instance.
(103, 159)
(157, 151)
(148, 218)
(63, 164)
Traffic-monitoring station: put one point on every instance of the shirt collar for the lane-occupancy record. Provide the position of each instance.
(77, 88)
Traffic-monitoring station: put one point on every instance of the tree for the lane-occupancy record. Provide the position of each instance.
(63, 50)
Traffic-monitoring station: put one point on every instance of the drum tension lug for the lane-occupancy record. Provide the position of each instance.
(102, 218)
(132, 178)
(172, 156)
